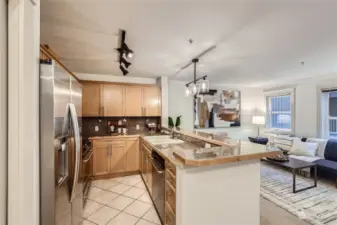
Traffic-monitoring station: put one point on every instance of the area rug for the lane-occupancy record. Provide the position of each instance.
(317, 206)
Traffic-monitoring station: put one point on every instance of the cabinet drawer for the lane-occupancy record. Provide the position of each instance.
(171, 178)
(171, 167)
(118, 143)
(170, 196)
(170, 218)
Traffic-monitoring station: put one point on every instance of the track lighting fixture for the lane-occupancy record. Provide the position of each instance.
(126, 63)
(124, 50)
(124, 71)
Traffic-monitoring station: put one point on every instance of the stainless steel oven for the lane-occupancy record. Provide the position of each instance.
(158, 183)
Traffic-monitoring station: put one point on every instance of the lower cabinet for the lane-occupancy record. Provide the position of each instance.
(170, 194)
(118, 163)
(132, 154)
(101, 157)
(146, 167)
(117, 155)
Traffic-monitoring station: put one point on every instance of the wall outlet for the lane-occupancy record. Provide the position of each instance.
(207, 145)
(137, 127)
(96, 128)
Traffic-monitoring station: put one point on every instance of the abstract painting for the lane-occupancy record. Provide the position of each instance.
(217, 109)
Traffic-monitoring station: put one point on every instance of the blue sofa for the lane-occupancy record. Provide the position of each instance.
(328, 167)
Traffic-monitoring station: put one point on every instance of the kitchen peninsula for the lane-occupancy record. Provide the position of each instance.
(215, 185)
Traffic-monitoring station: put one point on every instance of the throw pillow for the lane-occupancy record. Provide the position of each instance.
(321, 145)
(303, 148)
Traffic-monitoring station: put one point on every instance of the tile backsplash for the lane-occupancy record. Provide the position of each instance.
(89, 123)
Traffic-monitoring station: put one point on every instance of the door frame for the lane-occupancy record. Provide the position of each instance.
(3, 110)
(23, 112)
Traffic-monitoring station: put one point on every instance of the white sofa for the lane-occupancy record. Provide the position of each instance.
(319, 153)
(285, 143)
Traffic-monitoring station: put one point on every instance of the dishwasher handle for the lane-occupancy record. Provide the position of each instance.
(155, 167)
(89, 155)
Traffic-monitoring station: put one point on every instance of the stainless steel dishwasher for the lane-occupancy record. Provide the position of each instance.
(158, 183)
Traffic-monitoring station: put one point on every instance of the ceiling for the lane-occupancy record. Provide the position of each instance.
(257, 42)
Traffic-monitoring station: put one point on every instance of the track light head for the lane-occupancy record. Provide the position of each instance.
(128, 52)
(124, 71)
(126, 63)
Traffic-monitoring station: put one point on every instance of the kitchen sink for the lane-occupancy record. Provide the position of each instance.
(163, 139)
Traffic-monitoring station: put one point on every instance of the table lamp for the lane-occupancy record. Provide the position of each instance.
(258, 120)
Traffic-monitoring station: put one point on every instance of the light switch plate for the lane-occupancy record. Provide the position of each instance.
(96, 128)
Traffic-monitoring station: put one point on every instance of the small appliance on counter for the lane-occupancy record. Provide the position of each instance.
(111, 127)
(151, 126)
(119, 127)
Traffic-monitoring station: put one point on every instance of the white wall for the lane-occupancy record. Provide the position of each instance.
(3, 110)
(117, 79)
(23, 108)
(308, 103)
(252, 103)
(163, 83)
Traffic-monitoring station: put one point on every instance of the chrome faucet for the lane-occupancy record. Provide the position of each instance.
(173, 136)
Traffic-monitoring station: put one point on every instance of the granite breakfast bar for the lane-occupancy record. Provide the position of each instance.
(216, 185)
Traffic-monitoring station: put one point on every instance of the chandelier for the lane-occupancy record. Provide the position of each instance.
(197, 86)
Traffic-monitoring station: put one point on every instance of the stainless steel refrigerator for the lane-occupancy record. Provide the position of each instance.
(61, 198)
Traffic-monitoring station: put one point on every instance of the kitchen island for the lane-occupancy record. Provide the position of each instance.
(193, 185)
(218, 185)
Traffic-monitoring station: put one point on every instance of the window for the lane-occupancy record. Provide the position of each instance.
(279, 110)
(329, 114)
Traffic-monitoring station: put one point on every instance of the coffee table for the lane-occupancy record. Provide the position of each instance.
(296, 165)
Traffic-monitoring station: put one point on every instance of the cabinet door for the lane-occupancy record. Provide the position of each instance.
(133, 101)
(113, 100)
(132, 154)
(91, 100)
(149, 174)
(101, 160)
(144, 172)
(117, 157)
(141, 159)
(152, 101)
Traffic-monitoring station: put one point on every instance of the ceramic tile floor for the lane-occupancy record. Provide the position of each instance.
(120, 201)
(125, 201)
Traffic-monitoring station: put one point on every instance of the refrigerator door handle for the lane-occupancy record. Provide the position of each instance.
(74, 120)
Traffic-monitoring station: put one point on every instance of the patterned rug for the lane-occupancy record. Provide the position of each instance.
(317, 206)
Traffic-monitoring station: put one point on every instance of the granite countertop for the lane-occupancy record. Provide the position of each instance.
(204, 136)
(117, 135)
(183, 153)
(240, 151)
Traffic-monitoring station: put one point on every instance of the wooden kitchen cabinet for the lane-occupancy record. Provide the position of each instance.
(120, 100)
(132, 154)
(113, 100)
(133, 101)
(101, 158)
(151, 101)
(118, 157)
(91, 99)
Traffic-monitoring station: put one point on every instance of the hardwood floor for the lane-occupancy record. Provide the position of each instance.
(271, 214)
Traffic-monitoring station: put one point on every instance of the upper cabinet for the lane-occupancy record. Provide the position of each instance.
(133, 101)
(120, 100)
(113, 102)
(91, 99)
(151, 101)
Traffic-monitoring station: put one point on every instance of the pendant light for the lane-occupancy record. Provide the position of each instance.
(197, 87)
(187, 91)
